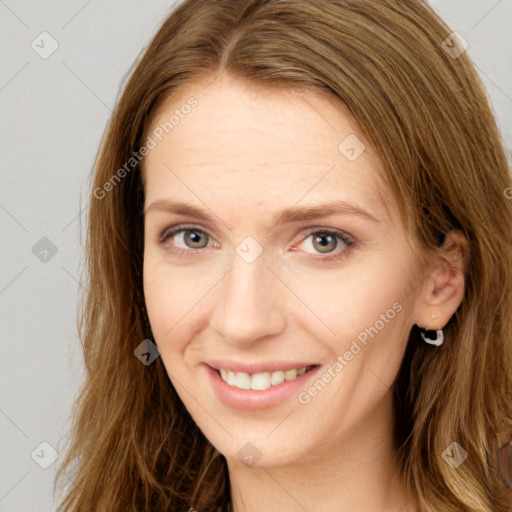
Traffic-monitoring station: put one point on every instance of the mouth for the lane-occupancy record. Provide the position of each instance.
(257, 386)
(261, 381)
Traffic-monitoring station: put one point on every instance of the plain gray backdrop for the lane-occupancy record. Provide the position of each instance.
(55, 102)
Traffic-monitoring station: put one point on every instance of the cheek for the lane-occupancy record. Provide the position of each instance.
(175, 301)
(340, 305)
(163, 297)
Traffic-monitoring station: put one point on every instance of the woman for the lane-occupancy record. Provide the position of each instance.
(299, 264)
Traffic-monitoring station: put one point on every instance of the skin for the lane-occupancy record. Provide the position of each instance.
(245, 154)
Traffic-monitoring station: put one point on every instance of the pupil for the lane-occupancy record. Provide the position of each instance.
(195, 237)
(325, 240)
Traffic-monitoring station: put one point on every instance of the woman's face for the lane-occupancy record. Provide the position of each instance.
(266, 278)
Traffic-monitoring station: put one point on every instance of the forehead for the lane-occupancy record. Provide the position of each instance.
(263, 146)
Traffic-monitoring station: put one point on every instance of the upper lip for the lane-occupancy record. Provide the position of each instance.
(270, 366)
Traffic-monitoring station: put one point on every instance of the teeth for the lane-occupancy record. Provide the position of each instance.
(243, 380)
(259, 381)
(290, 374)
(277, 378)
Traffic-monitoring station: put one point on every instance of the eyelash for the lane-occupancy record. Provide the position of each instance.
(344, 237)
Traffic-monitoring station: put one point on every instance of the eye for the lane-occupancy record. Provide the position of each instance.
(323, 241)
(192, 238)
(326, 241)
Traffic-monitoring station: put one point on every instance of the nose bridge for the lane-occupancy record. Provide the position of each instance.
(251, 301)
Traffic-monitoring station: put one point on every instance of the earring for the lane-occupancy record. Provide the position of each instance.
(428, 337)
(432, 337)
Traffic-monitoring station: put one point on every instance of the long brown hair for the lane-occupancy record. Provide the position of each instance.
(423, 107)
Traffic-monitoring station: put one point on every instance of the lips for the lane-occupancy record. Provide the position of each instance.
(253, 400)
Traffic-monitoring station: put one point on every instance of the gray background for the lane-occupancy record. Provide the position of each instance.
(53, 112)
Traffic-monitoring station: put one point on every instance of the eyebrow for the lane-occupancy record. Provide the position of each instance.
(288, 215)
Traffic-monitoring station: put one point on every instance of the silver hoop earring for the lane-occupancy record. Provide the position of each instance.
(427, 337)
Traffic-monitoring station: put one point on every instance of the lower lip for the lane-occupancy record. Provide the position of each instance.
(252, 400)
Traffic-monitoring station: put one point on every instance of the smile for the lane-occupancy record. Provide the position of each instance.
(263, 380)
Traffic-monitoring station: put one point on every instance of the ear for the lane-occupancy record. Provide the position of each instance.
(442, 290)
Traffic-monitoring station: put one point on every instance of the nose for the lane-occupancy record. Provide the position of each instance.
(252, 303)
